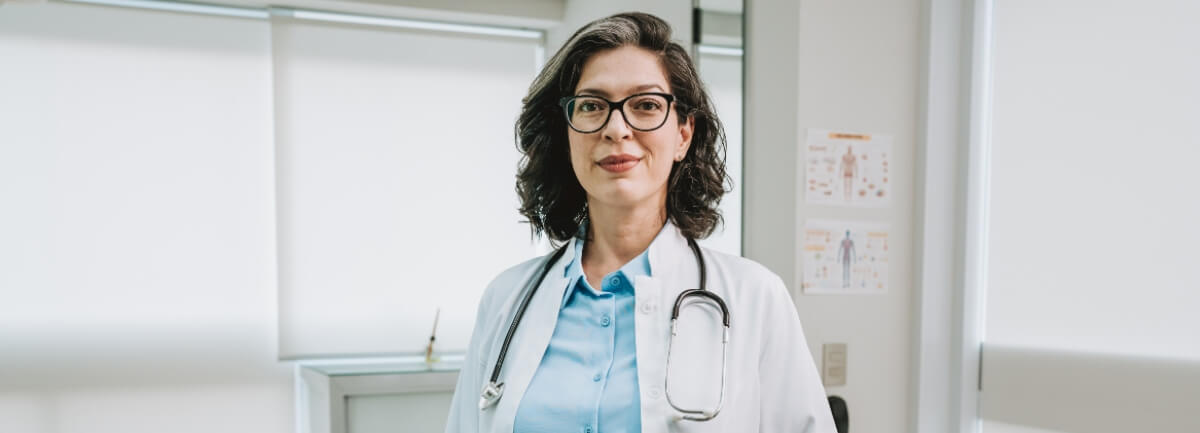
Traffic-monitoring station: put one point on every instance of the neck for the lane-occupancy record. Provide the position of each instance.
(618, 234)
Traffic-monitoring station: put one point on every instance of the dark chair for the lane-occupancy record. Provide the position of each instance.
(841, 416)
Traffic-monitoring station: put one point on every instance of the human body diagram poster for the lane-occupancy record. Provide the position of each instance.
(841, 257)
(847, 169)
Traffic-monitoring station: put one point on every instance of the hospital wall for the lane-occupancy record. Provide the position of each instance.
(843, 65)
(1092, 284)
(147, 299)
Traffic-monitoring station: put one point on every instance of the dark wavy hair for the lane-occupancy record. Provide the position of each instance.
(552, 198)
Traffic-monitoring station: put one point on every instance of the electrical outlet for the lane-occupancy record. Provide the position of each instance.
(833, 364)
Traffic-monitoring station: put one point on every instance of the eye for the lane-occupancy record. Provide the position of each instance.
(648, 105)
(588, 106)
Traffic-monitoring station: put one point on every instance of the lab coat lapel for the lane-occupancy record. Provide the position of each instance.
(671, 273)
(529, 343)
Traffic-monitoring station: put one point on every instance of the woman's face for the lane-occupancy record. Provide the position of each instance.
(618, 165)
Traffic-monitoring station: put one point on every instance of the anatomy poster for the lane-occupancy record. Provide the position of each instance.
(841, 257)
(849, 169)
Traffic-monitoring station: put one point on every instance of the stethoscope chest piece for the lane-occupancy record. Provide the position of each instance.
(490, 395)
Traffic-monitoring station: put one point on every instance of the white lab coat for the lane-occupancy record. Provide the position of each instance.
(772, 383)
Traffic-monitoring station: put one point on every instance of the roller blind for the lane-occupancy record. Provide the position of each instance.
(136, 242)
(1093, 268)
(395, 167)
(1094, 235)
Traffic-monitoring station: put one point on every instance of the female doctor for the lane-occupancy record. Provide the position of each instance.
(624, 166)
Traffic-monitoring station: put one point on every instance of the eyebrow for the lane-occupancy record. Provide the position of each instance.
(641, 88)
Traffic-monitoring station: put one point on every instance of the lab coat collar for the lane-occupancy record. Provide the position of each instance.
(663, 252)
(667, 249)
(560, 267)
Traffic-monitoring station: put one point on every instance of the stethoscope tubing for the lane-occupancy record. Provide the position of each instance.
(493, 390)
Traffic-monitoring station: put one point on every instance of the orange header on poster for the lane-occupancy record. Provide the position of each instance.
(845, 136)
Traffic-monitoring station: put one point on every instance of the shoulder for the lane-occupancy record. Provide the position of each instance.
(748, 273)
(749, 285)
(512, 280)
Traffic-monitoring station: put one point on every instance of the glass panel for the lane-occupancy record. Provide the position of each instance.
(719, 58)
(722, 73)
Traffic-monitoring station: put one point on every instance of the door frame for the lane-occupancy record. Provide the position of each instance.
(952, 209)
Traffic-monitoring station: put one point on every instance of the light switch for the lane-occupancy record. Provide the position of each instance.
(833, 364)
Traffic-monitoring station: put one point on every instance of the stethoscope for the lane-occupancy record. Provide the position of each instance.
(493, 390)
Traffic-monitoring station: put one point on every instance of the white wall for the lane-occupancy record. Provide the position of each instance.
(849, 65)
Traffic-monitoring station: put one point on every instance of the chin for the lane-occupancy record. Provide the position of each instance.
(618, 196)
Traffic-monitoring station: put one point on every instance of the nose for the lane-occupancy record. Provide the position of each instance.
(617, 129)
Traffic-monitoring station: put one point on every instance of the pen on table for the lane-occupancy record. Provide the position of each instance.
(432, 337)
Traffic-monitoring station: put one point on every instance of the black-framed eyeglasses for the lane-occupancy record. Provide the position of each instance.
(642, 111)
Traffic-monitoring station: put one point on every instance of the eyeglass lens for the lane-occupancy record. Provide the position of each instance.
(642, 112)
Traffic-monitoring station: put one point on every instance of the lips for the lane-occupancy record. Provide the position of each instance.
(618, 163)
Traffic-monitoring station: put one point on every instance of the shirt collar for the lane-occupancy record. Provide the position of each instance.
(639, 266)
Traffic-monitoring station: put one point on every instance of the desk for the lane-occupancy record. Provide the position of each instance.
(324, 387)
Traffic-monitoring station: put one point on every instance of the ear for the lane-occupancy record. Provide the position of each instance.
(685, 137)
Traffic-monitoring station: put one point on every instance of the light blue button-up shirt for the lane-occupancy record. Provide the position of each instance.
(587, 381)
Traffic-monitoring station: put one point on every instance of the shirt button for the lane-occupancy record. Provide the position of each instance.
(596, 378)
(615, 281)
(604, 321)
(587, 429)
